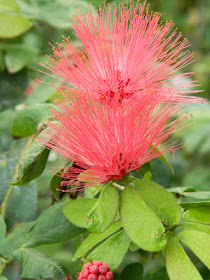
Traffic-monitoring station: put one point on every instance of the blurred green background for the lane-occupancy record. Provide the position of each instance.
(26, 28)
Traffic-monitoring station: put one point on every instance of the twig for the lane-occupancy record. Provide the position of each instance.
(3, 263)
(4, 204)
(119, 187)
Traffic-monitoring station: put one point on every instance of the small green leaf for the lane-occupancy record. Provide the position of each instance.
(148, 176)
(104, 211)
(198, 195)
(77, 210)
(193, 204)
(55, 184)
(133, 247)
(43, 266)
(13, 25)
(160, 201)
(15, 239)
(95, 238)
(133, 271)
(178, 264)
(199, 214)
(2, 229)
(111, 251)
(33, 162)
(196, 227)
(164, 160)
(181, 190)
(140, 222)
(18, 56)
(27, 121)
(144, 168)
(198, 242)
(159, 275)
(9, 5)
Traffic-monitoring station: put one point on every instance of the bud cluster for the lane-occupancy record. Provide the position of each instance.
(96, 270)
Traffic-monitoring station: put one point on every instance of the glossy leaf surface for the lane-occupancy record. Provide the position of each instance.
(104, 211)
(178, 264)
(140, 222)
(111, 251)
(198, 242)
(76, 211)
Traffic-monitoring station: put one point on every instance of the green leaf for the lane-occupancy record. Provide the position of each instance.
(148, 176)
(167, 163)
(2, 229)
(140, 222)
(55, 184)
(133, 247)
(33, 162)
(51, 227)
(159, 275)
(133, 271)
(95, 238)
(36, 265)
(160, 201)
(198, 195)
(27, 121)
(42, 92)
(112, 251)
(18, 56)
(190, 205)
(3, 278)
(199, 214)
(196, 227)
(181, 190)
(144, 168)
(104, 211)
(15, 239)
(9, 5)
(178, 264)
(22, 205)
(13, 25)
(198, 242)
(77, 210)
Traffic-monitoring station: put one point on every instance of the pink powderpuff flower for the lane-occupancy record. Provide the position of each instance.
(124, 51)
(111, 141)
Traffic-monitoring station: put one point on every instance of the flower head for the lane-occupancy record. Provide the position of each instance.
(109, 142)
(124, 51)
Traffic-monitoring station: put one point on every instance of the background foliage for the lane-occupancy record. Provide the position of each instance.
(26, 28)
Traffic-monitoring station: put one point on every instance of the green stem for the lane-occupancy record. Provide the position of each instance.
(3, 208)
(119, 187)
(4, 204)
(3, 263)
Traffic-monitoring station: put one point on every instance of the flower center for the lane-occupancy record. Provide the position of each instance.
(119, 176)
(118, 90)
